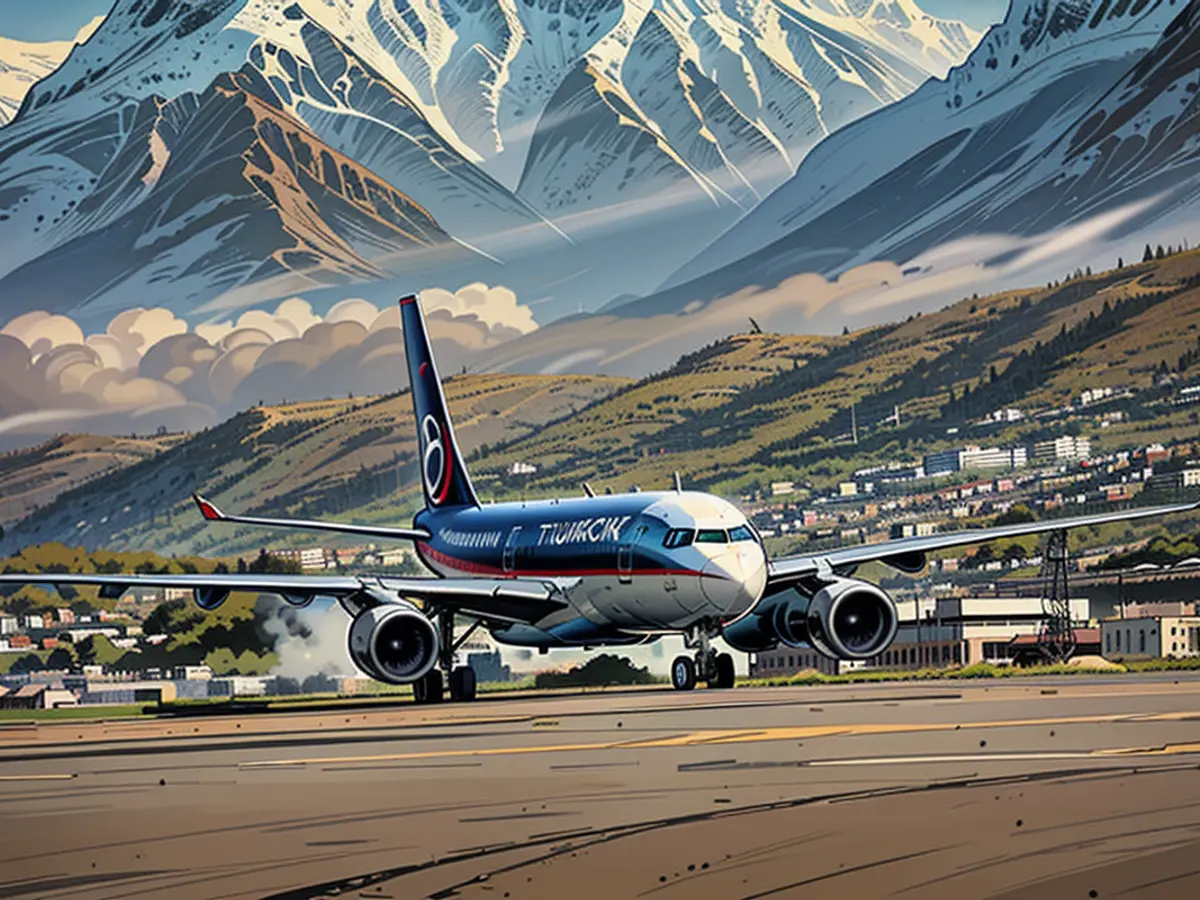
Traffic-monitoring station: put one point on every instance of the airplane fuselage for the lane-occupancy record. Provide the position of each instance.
(630, 565)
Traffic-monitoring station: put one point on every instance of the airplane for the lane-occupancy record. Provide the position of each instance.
(582, 572)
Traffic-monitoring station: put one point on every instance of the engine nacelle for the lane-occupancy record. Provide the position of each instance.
(394, 643)
(851, 619)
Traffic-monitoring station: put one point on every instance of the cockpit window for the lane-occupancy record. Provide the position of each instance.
(711, 536)
(741, 533)
(678, 537)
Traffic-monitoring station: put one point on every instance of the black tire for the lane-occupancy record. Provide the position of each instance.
(683, 673)
(462, 684)
(724, 672)
(428, 688)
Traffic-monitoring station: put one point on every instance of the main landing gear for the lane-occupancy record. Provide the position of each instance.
(430, 687)
(716, 669)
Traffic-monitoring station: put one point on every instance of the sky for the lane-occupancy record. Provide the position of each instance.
(56, 20)
(979, 14)
(48, 20)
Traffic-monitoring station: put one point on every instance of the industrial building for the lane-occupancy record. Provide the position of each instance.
(1170, 637)
(935, 632)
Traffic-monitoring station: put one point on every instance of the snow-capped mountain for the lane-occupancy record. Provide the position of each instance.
(1067, 109)
(24, 63)
(551, 138)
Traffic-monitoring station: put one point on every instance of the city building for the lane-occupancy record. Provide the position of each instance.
(943, 462)
(973, 458)
(1095, 395)
(1187, 396)
(785, 661)
(1062, 449)
(313, 558)
(488, 666)
(978, 459)
(522, 468)
(911, 529)
(1006, 415)
(1032, 649)
(1150, 636)
(780, 488)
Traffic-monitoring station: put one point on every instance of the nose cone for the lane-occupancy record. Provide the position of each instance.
(734, 580)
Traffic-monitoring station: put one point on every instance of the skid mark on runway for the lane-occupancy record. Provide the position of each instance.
(592, 837)
(517, 817)
(849, 870)
(725, 737)
(39, 887)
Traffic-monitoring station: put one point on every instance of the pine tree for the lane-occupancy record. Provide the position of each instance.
(1159, 253)
(1148, 255)
(1120, 263)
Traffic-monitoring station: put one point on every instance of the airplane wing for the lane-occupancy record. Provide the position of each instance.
(212, 514)
(908, 553)
(508, 600)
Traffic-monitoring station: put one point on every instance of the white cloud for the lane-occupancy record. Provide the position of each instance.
(148, 369)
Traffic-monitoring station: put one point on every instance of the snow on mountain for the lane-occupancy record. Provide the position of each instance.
(24, 63)
(550, 136)
(970, 154)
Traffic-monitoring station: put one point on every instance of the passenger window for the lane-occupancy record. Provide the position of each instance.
(712, 536)
(678, 537)
(741, 533)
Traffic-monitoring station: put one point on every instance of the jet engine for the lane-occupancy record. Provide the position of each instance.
(394, 643)
(845, 619)
(851, 619)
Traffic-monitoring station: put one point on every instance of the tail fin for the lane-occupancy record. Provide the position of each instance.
(443, 472)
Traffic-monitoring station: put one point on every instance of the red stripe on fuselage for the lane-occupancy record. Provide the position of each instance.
(464, 565)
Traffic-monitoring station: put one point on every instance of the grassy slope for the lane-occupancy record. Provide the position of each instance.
(33, 477)
(348, 459)
(730, 417)
(794, 423)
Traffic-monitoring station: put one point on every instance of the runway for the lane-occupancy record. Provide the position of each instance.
(1037, 788)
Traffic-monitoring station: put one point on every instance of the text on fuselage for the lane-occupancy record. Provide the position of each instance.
(584, 531)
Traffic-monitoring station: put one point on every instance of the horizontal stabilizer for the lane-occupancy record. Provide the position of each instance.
(212, 514)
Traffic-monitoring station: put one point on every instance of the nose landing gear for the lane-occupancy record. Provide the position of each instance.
(716, 669)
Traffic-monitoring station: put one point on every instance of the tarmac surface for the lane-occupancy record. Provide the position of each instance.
(1033, 788)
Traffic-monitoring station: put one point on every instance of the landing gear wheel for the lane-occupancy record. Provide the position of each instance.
(428, 688)
(723, 672)
(683, 673)
(462, 684)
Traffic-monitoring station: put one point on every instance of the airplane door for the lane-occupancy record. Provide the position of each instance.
(510, 550)
(625, 554)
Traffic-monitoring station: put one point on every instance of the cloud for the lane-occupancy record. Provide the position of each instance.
(148, 370)
(810, 303)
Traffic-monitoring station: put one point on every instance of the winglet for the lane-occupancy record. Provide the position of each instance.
(207, 510)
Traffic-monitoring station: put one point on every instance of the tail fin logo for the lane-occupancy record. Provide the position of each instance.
(434, 463)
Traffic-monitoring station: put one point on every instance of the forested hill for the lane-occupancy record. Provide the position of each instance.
(731, 417)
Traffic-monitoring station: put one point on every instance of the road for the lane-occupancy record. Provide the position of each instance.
(1037, 788)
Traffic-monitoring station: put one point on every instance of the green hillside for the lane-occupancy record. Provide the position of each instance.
(790, 417)
(349, 459)
(731, 417)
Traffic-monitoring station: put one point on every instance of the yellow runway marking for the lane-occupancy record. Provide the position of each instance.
(729, 736)
(67, 777)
